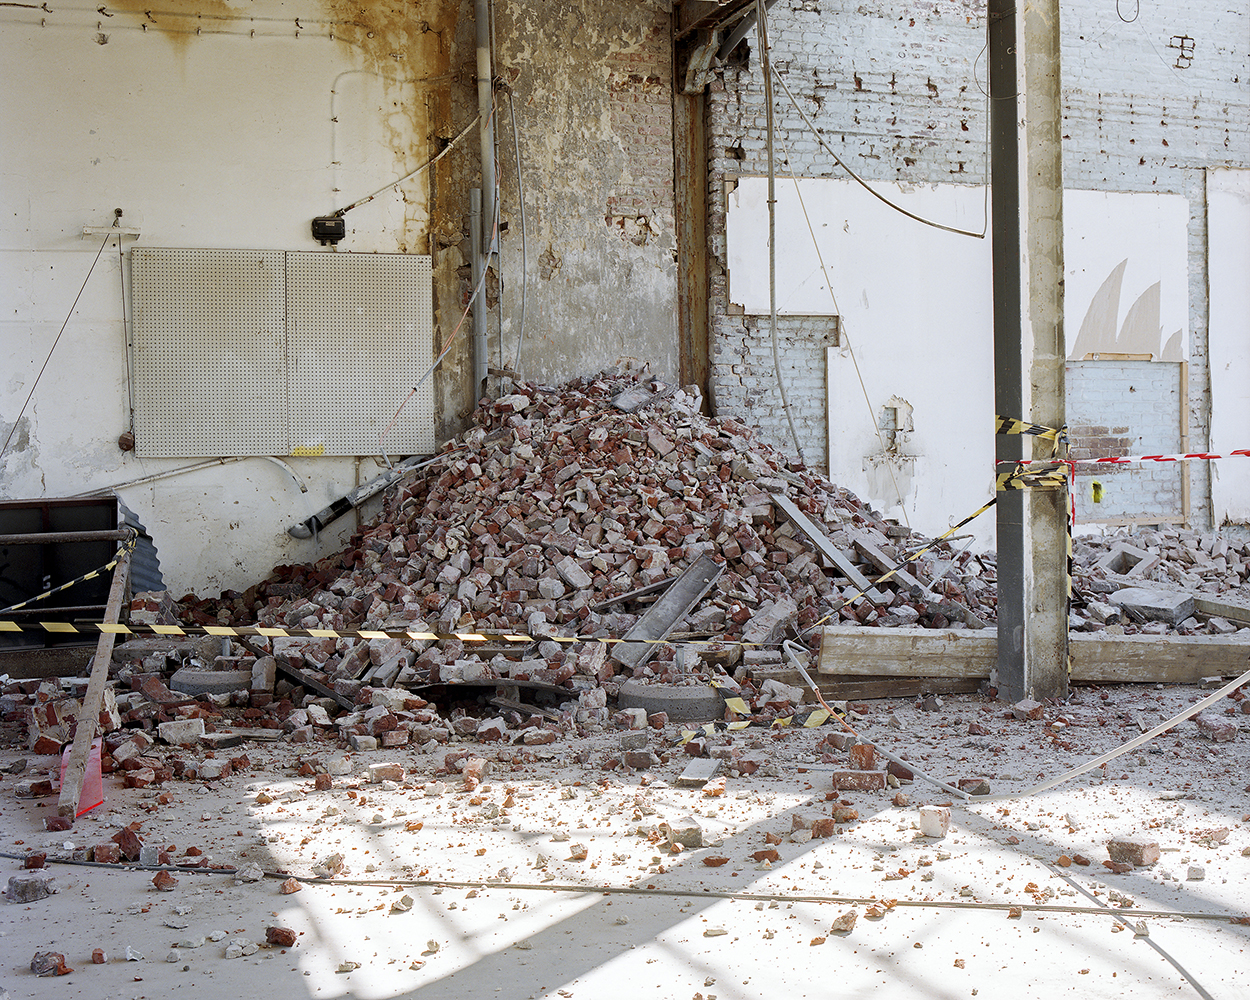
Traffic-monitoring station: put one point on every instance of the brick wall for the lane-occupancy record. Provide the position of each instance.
(640, 94)
(894, 88)
(743, 371)
(1118, 408)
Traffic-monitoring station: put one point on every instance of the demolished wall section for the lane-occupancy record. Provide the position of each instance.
(898, 91)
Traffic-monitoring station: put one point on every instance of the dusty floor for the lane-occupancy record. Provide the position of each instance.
(517, 917)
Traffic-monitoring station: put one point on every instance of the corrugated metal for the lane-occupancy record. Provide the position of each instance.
(145, 564)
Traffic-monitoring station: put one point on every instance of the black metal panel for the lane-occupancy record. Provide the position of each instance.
(28, 570)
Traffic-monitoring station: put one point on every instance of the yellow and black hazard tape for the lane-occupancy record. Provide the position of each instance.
(1052, 476)
(1009, 425)
(274, 632)
(1057, 435)
(126, 546)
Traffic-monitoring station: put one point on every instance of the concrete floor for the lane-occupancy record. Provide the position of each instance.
(510, 920)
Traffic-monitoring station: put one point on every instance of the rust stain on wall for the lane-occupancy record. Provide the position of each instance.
(180, 21)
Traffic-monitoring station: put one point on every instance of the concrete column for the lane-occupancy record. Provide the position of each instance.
(1027, 198)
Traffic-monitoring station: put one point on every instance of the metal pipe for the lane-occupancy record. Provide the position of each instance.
(143, 480)
(486, 121)
(487, 197)
(480, 357)
(761, 28)
(54, 537)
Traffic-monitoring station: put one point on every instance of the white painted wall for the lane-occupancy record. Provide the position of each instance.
(1228, 229)
(220, 140)
(1147, 233)
(916, 306)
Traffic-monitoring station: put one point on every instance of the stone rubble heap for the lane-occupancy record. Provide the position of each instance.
(542, 519)
(553, 504)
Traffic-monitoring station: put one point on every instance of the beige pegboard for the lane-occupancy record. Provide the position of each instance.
(242, 352)
(209, 352)
(360, 334)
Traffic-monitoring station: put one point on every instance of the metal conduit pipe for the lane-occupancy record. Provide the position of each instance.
(488, 195)
(156, 476)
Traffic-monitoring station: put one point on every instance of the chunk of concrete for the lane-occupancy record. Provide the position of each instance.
(935, 821)
(196, 681)
(181, 732)
(1154, 605)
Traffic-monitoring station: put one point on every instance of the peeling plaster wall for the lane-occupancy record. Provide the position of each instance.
(220, 124)
(591, 86)
(897, 89)
(210, 125)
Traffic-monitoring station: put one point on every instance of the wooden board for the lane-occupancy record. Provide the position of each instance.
(864, 544)
(847, 650)
(55, 661)
(633, 595)
(665, 614)
(89, 715)
(827, 549)
(839, 687)
(963, 653)
(520, 706)
(1163, 659)
(301, 677)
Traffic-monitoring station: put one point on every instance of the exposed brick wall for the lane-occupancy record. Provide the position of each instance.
(892, 87)
(1118, 408)
(743, 370)
(641, 98)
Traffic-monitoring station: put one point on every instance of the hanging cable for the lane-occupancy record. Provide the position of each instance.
(761, 28)
(412, 173)
(439, 360)
(868, 187)
(842, 334)
(520, 187)
(69, 315)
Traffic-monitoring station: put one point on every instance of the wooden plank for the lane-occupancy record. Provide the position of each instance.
(665, 614)
(520, 706)
(847, 650)
(864, 544)
(827, 549)
(963, 653)
(89, 714)
(1162, 659)
(836, 687)
(35, 661)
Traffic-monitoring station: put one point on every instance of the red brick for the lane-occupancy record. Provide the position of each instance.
(858, 781)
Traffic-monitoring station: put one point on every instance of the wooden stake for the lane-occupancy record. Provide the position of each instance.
(89, 714)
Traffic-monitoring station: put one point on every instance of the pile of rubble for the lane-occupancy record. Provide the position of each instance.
(560, 516)
(556, 506)
(1172, 570)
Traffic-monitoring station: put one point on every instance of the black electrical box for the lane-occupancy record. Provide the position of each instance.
(329, 229)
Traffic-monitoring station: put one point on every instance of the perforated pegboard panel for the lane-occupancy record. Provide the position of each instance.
(240, 352)
(209, 358)
(360, 333)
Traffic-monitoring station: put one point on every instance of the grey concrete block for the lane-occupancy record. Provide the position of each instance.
(1154, 605)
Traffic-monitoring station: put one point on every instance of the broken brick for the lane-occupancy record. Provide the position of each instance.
(1138, 853)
